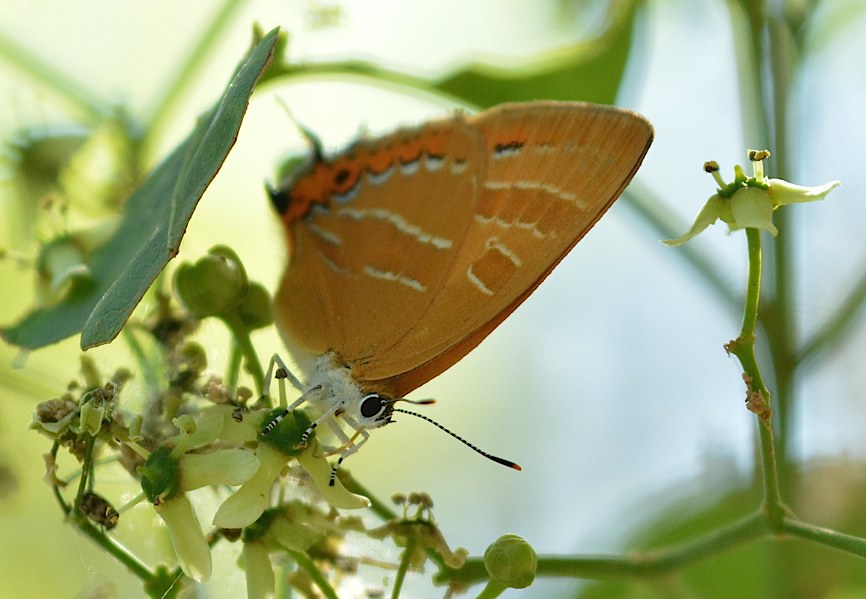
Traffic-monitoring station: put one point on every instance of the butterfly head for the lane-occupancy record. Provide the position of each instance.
(344, 394)
(375, 410)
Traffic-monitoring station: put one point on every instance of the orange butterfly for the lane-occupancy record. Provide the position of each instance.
(407, 250)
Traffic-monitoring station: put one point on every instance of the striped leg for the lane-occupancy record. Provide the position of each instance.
(277, 370)
(349, 446)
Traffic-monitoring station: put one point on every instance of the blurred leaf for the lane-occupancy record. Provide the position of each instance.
(829, 493)
(154, 222)
(589, 71)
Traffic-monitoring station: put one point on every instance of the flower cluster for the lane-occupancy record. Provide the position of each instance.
(278, 493)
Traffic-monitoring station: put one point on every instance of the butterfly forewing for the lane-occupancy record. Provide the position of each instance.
(368, 260)
(424, 241)
(551, 171)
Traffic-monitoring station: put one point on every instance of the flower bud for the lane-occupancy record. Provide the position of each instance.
(213, 285)
(511, 561)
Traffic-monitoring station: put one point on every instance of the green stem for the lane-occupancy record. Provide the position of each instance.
(79, 96)
(650, 209)
(404, 567)
(782, 63)
(758, 399)
(665, 561)
(179, 84)
(86, 469)
(825, 536)
(491, 590)
(234, 368)
(379, 507)
(244, 344)
(307, 565)
(97, 535)
(115, 549)
(151, 378)
(644, 565)
(833, 332)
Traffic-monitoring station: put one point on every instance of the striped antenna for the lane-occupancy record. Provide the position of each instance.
(502, 461)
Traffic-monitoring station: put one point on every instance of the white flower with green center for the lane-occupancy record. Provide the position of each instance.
(273, 453)
(749, 202)
(173, 470)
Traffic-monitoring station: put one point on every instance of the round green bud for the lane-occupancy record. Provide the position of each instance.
(511, 561)
(213, 285)
(255, 308)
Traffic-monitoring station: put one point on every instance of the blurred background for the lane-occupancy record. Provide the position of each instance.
(609, 386)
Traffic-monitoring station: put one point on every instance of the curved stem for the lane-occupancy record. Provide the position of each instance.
(96, 534)
(404, 567)
(244, 345)
(758, 395)
(185, 74)
(79, 96)
(307, 565)
(491, 590)
(837, 328)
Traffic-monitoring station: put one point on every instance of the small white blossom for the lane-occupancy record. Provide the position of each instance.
(749, 202)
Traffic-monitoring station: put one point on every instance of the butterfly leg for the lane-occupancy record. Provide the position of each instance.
(349, 445)
(282, 372)
(278, 370)
(328, 415)
(313, 393)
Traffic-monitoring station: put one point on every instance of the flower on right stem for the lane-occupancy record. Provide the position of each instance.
(749, 202)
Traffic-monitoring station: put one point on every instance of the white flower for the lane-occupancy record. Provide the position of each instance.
(749, 202)
(190, 544)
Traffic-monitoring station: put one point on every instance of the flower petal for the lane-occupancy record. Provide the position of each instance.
(247, 504)
(196, 432)
(190, 545)
(782, 192)
(314, 463)
(259, 571)
(751, 208)
(220, 467)
(707, 216)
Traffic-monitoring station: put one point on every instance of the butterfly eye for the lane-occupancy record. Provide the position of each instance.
(375, 407)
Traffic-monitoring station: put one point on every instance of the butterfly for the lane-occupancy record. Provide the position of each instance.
(407, 250)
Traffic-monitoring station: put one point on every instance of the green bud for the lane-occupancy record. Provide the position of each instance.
(511, 561)
(213, 285)
(92, 413)
(255, 308)
(61, 262)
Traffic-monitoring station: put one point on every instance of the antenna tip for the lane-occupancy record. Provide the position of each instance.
(505, 462)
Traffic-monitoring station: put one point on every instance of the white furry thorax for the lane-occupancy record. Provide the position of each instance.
(338, 386)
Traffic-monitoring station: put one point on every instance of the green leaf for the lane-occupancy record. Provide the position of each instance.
(591, 72)
(153, 225)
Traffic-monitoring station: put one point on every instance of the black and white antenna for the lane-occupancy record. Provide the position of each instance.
(489, 456)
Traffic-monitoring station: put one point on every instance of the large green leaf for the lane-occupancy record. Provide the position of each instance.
(153, 224)
(589, 71)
